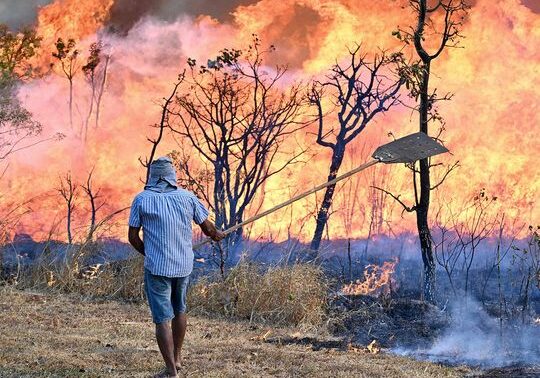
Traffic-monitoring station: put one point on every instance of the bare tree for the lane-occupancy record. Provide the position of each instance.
(427, 32)
(527, 259)
(161, 126)
(447, 249)
(67, 190)
(475, 225)
(461, 234)
(357, 91)
(67, 54)
(93, 196)
(236, 117)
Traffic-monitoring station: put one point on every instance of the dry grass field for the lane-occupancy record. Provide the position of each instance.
(53, 335)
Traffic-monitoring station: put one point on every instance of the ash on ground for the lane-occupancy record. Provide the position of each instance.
(464, 332)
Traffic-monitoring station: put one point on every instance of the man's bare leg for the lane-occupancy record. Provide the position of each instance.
(166, 346)
(179, 326)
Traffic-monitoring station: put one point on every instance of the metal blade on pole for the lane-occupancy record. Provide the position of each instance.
(408, 149)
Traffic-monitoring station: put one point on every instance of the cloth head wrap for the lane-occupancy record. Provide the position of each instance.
(162, 175)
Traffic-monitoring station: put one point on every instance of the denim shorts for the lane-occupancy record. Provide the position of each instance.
(166, 296)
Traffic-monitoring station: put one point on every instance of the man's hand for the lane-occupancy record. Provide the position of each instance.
(209, 229)
(219, 235)
(135, 239)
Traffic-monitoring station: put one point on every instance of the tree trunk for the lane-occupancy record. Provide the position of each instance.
(70, 238)
(322, 216)
(90, 110)
(71, 103)
(422, 209)
(101, 89)
(92, 219)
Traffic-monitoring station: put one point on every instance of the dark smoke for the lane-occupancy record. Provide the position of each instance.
(533, 4)
(20, 13)
(126, 13)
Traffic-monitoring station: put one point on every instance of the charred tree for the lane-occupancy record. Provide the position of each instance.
(93, 196)
(358, 91)
(417, 75)
(236, 117)
(68, 191)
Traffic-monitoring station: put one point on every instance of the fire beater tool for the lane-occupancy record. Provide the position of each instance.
(408, 149)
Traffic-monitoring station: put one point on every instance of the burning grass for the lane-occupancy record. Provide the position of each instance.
(377, 280)
(291, 295)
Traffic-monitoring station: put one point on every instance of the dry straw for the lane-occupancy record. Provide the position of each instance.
(284, 295)
(281, 295)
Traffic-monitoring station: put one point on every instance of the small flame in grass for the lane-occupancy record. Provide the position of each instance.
(51, 280)
(374, 347)
(378, 280)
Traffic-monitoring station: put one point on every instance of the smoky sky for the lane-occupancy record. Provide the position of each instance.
(125, 13)
(19, 13)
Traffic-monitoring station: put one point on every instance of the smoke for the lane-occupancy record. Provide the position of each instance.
(126, 13)
(534, 5)
(17, 13)
(477, 338)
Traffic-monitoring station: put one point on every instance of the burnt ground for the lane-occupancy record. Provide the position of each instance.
(412, 325)
(509, 372)
(392, 322)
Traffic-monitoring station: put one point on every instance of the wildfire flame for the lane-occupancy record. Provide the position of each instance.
(491, 122)
(377, 280)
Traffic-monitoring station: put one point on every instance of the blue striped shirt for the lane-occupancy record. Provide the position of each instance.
(166, 219)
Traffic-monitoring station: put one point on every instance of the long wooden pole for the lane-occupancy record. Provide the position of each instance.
(294, 199)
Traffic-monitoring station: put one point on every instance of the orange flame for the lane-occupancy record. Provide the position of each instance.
(377, 280)
(70, 19)
(491, 121)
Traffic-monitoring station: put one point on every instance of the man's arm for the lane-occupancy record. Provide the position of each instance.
(209, 229)
(135, 239)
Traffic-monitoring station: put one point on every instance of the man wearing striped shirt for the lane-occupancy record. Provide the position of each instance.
(165, 213)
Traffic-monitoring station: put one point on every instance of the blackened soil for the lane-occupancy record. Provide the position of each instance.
(391, 322)
(510, 372)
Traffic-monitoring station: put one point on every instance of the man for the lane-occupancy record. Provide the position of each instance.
(165, 214)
